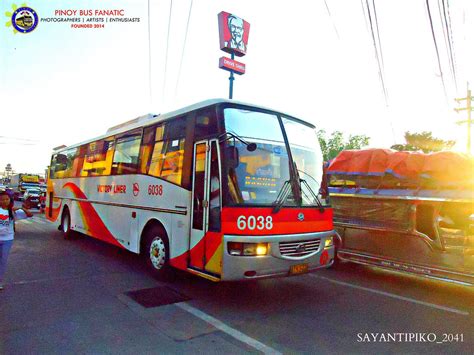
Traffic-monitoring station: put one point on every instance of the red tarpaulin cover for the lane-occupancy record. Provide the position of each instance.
(440, 167)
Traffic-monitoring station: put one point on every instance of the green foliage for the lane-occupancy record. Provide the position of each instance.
(423, 141)
(333, 145)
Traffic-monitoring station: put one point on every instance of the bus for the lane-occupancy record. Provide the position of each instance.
(221, 189)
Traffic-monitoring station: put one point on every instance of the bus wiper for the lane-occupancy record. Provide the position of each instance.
(295, 183)
(282, 196)
(315, 197)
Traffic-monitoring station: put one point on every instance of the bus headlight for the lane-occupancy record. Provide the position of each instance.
(262, 249)
(329, 242)
(247, 249)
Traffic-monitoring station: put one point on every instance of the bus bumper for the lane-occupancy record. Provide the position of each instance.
(280, 260)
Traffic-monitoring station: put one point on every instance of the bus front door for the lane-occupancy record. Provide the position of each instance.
(200, 207)
(205, 225)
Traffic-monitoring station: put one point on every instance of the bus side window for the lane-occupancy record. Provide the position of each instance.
(98, 158)
(147, 148)
(168, 151)
(58, 165)
(63, 163)
(167, 160)
(126, 154)
(78, 161)
(205, 124)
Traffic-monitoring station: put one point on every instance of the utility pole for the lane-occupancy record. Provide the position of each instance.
(468, 108)
(231, 80)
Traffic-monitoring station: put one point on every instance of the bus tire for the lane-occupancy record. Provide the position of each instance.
(156, 252)
(66, 224)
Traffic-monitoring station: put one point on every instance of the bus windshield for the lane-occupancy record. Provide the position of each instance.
(257, 177)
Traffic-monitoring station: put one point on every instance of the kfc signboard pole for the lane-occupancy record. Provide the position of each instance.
(233, 37)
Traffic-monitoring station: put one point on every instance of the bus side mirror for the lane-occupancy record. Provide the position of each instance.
(232, 156)
(251, 147)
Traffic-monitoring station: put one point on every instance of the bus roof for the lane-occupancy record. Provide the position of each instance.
(150, 119)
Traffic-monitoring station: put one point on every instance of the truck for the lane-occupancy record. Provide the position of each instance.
(19, 183)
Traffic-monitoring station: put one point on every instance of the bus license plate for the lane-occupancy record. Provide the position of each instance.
(298, 269)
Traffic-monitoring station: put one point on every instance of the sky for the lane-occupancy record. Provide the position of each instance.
(62, 85)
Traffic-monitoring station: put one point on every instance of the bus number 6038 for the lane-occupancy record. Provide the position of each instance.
(252, 222)
(155, 190)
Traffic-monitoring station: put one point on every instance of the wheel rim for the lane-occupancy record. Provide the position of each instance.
(66, 223)
(157, 253)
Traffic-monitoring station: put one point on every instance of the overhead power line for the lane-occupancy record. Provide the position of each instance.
(17, 141)
(333, 24)
(365, 15)
(167, 47)
(436, 48)
(377, 56)
(378, 34)
(451, 42)
(445, 33)
(184, 48)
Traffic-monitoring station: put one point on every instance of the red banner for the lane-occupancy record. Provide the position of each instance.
(232, 65)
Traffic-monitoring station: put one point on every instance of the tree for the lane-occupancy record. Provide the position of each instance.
(423, 141)
(336, 143)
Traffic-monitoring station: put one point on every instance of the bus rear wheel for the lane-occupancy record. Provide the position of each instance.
(66, 224)
(156, 252)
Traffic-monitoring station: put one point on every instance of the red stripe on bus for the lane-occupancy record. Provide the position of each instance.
(210, 243)
(181, 261)
(94, 223)
(213, 241)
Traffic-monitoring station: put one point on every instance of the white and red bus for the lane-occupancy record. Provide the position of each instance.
(221, 189)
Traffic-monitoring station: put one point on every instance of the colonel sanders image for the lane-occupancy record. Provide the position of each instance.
(236, 29)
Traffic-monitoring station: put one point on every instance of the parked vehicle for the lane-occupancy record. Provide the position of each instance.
(407, 211)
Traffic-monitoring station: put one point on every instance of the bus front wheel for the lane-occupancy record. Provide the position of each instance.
(156, 252)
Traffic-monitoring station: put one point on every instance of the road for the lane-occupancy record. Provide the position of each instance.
(73, 296)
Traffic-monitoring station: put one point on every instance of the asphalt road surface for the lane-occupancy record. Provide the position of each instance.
(84, 296)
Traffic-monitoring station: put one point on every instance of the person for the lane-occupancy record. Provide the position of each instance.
(8, 215)
(42, 202)
(236, 29)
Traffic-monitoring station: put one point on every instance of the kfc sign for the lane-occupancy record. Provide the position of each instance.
(233, 34)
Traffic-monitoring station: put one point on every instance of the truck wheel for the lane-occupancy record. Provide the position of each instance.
(66, 224)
